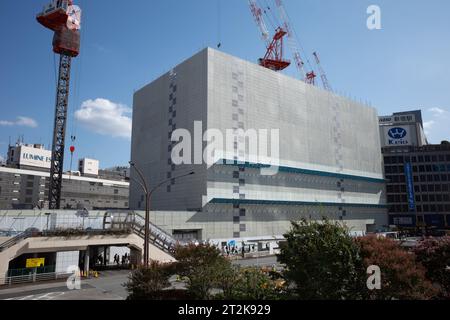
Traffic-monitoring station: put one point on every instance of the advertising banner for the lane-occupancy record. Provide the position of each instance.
(410, 186)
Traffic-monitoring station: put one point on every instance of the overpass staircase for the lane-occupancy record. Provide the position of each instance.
(115, 220)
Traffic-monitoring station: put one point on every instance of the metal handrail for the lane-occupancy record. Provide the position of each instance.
(11, 242)
(34, 277)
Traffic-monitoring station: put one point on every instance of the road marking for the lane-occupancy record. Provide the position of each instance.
(45, 296)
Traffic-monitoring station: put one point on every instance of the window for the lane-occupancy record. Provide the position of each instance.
(242, 212)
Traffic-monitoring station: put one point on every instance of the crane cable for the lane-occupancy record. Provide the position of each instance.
(263, 8)
(219, 24)
(299, 43)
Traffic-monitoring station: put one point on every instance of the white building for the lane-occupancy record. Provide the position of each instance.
(88, 167)
(25, 156)
(402, 129)
(329, 152)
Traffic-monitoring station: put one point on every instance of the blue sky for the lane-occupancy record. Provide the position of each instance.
(126, 44)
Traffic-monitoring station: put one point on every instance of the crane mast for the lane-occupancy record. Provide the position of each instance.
(63, 18)
(273, 59)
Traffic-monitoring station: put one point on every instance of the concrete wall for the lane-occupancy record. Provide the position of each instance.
(173, 101)
(334, 139)
(304, 114)
(74, 244)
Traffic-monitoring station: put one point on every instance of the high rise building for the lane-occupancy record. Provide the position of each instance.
(417, 173)
(328, 152)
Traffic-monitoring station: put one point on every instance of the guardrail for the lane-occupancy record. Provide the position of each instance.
(34, 277)
(22, 236)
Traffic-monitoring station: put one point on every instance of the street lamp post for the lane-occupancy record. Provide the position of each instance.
(148, 193)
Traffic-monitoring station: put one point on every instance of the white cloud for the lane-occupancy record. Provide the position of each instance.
(105, 117)
(21, 121)
(428, 125)
(437, 111)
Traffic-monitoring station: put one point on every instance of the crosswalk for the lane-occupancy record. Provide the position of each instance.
(44, 296)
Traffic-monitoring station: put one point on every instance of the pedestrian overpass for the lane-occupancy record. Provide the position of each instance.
(118, 229)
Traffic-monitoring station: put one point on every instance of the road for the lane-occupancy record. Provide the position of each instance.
(109, 286)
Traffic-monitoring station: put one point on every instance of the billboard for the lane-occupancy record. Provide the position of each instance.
(398, 135)
(35, 263)
(410, 187)
(34, 157)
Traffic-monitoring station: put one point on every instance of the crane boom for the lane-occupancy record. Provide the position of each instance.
(323, 75)
(273, 59)
(257, 14)
(308, 77)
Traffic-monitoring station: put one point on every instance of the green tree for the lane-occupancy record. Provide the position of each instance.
(434, 255)
(402, 278)
(202, 266)
(148, 283)
(323, 261)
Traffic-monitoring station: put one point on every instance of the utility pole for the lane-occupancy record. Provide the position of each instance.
(148, 194)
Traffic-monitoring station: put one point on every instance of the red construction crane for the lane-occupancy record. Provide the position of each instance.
(63, 18)
(274, 56)
(323, 75)
(308, 77)
(273, 59)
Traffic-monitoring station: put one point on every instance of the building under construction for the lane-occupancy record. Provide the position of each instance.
(329, 162)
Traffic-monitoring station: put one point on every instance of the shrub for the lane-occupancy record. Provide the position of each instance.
(322, 260)
(204, 267)
(148, 283)
(434, 255)
(401, 277)
(255, 284)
